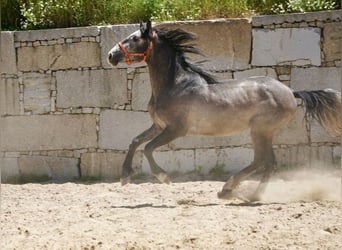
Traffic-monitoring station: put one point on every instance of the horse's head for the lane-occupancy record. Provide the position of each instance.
(135, 48)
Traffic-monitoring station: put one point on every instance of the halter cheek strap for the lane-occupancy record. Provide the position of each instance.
(129, 55)
(143, 55)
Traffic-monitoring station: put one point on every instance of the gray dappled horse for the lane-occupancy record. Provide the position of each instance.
(186, 100)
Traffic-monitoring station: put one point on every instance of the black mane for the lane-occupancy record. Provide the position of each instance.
(179, 40)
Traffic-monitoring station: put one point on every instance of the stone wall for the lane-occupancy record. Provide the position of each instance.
(65, 113)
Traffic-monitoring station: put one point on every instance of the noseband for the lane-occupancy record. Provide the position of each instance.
(128, 55)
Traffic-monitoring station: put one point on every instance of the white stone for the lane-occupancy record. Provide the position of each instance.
(315, 78)
(292, 46)
(48, 132)
(332, 41)
(211, 141)
(141, 91)
(55, 168)
(37, 89)
(319, 134)
(106, 166)
(9, 170)
(255, 72)
(180, 161)
(9, 96)
(8, 62)
(231, 159)
(294, 132)
(226, 43)
(118, 128)
(337, 155)
(57, 57)
(51, 34)
(91, 88)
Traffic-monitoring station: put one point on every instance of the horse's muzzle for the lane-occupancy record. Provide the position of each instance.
(115, 56)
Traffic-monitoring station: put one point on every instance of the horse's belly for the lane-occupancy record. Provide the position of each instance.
(219, 125)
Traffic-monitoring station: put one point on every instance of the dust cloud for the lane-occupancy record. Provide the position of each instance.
(309, 183)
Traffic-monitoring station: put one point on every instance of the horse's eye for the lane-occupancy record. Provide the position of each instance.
(135, 38)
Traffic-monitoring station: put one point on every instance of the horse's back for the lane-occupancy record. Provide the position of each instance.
(236, 105)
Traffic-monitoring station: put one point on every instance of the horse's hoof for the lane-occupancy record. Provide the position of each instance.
(254, 197)
(125, 180)
(225, 194)
(228, 194)
(163, 178)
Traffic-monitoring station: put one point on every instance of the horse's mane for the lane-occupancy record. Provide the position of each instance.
(179, 40)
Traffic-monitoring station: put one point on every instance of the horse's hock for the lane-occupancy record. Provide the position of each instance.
(65, 113)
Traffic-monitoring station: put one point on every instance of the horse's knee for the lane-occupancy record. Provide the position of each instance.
(134, 144)
(147, 151)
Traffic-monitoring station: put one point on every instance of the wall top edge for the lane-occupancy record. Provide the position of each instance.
(51, 34)
(218, 20)
(332, 15)
(257, 21)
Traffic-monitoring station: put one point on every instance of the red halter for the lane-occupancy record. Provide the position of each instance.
(128, 55)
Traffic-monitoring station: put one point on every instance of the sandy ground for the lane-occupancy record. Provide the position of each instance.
(298, 211)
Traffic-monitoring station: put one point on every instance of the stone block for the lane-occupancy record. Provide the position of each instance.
(55, 34)
(294, 132)
(180, 161)
(48, 132)
(118, 128)
(337, 155)
(37, 91)
(110, 36)
(57, 57)
(9, 170)
(319, 134)
(8, 63)
(231, 159)
(292, 46)
(226, 43)
(300, 155)
(106, 166)
(222, 76)
(54, 168)
(258, 21)
(91, 88)
(316, 78)
(255, 72)
(296, 155)
(332, 41)
(9, 96)
(211, 141)
(141, 91)
(324, 155)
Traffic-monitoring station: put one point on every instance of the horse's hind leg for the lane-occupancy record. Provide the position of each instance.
(269, 165)
(263, 156)
(163, 138)
(147, 135)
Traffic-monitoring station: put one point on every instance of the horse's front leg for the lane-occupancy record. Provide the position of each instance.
(145, 136)
(168, 135)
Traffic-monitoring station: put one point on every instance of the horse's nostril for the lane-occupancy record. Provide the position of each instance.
(110, 56)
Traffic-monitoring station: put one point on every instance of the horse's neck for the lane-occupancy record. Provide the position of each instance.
(162, 68)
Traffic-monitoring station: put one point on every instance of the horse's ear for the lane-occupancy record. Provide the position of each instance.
(149, 29)
(142, 28)
(146, 30)
(149, 26)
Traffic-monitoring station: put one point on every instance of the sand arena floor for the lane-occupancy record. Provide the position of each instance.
(298, 211)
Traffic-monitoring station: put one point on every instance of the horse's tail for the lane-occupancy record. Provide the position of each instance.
(324, 106)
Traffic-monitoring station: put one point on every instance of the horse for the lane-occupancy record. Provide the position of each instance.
(187, 99)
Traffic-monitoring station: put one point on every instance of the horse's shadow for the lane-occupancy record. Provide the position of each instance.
(232, 204)
(143, 205)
